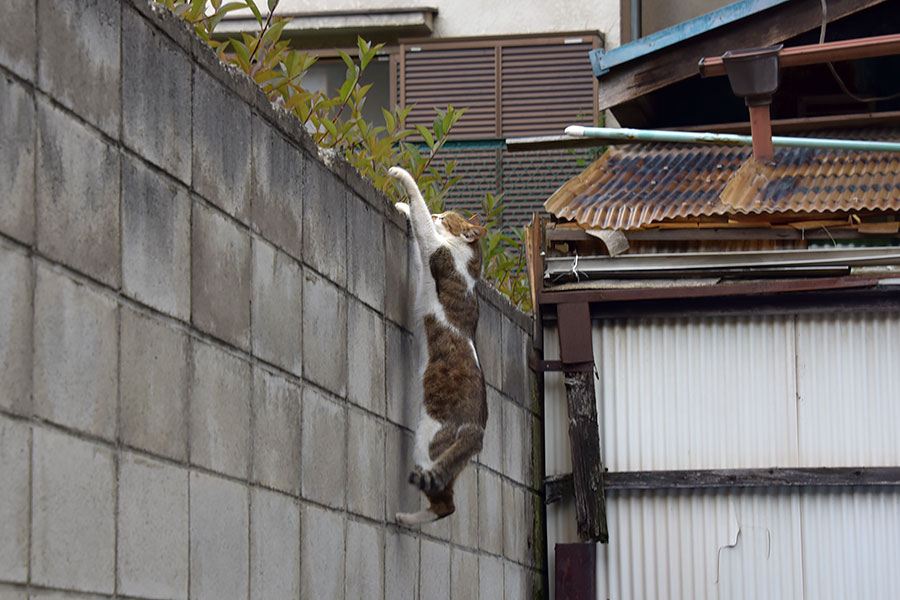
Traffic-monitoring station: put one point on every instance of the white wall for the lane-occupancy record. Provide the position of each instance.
(465, 18)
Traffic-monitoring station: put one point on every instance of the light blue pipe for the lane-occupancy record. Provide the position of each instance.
(690, 137)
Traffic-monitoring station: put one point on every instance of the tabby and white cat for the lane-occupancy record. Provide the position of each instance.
(454, 409)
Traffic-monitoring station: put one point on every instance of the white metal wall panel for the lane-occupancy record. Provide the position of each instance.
(697, 393)
(849, 393)
(851, 543)
(731, 393)
(702, 544)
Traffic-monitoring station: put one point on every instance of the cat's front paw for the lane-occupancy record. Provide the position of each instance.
(427, 481)
(402, 207)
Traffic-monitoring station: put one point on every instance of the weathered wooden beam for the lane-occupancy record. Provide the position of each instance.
(587, 469)
(558, 487)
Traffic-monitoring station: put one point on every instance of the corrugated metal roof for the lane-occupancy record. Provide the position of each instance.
(636, 185)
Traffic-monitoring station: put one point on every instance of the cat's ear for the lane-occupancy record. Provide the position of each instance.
(476, 220)
(473, 233)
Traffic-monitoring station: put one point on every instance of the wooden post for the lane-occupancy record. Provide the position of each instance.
(577, 357)
(587, 469)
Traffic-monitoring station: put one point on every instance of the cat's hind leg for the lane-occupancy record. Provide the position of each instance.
(440, 506)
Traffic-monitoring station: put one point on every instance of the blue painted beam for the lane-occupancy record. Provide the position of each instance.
(602, 61)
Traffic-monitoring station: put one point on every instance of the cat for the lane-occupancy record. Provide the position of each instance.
(454, 408)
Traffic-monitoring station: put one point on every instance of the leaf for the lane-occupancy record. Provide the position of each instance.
(241, 50)
(272, 4)
(426, 135)
(388, 119)
(347, 60)
(252, 6)
(346, 89)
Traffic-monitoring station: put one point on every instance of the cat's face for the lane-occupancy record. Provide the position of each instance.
(452, 224)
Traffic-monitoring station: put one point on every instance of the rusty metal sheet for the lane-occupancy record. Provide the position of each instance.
(637, 185)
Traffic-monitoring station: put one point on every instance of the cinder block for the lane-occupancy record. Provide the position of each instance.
(156, 96)
(404, 388)
(77, 198)
(220, 164)
(276, 307)
(434, 571)
(365, 466)
(494, 435)
(16, 154)
(8, 592)
(15, 468)
(276, 432)
(321, 554)
(75, 354)
(219, 410)
(400, 496)
(399, 283)
(156, 240)
(366, 357)
(324, 333)
(80, 75)
(152, 529)
(515, 582)
(488, 338)
(438, 529)
(464, 522)
(219, 538)
(325, 223)
(274, 546)
(401, 568)
(490, 578)
(365, 253)
(516, 441)
(277, 188)
(323, 473)
(73, 514)
(18, 37)
(220, 277)
(153, 386)
(16, 312)
(490, 512)
(514, 522)
(364, 562)
(463, 575)
(515, 363)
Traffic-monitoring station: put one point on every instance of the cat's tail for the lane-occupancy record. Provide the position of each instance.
(403, 176)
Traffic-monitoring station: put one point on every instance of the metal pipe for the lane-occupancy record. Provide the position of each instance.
(635, 19)
(691, 137)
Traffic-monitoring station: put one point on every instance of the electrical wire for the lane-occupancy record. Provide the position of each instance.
(834, 73)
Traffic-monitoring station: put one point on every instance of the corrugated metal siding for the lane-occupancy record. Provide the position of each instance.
(695, 545)
(697, 394)
(851, 543)
(816, 390)
(635, 185)
(849, 406)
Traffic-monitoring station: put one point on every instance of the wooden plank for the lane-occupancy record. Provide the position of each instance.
(675, 63)
(559, 487)
(587, 469)
(720, 290)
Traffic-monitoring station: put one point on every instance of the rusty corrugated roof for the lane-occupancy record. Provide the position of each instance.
(635, 185)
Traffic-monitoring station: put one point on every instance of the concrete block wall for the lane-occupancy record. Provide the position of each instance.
(206, 344)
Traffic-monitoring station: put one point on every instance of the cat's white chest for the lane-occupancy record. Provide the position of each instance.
(425, 432)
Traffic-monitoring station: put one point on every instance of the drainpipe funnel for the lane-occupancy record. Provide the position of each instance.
(754, 74)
